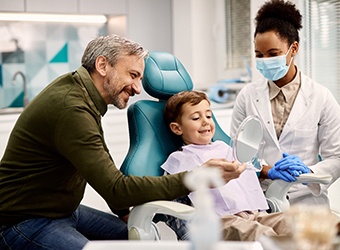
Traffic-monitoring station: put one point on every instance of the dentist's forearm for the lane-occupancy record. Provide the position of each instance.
(264, 172)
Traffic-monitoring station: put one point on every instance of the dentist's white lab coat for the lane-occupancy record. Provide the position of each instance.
(312, 128)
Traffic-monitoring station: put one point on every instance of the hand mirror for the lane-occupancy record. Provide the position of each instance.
(248, 142)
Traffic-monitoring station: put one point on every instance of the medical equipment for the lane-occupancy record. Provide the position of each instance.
(224, 93)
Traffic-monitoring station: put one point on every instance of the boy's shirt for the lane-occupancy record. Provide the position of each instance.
(241, 194)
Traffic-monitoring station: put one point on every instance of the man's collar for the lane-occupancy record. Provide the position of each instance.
(93, 92)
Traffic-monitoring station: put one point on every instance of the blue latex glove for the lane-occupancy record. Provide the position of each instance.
(292, 164)
(275, 173)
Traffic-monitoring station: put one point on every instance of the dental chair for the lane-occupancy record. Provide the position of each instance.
(151, 142)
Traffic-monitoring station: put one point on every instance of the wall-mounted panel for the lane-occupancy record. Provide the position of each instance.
(12, 5)
(149, 23)
(52, 6)
(107, 7)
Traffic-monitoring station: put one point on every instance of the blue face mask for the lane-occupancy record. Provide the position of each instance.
(273, 68)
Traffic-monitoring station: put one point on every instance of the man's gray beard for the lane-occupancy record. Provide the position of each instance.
(115, 100)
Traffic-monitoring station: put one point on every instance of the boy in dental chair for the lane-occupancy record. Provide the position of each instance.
(241, 203)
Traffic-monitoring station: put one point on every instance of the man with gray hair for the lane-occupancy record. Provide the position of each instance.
(57, 146)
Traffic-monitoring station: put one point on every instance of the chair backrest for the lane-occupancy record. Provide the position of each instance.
(151, 140)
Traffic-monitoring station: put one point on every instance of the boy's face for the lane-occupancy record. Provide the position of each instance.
(196, 125)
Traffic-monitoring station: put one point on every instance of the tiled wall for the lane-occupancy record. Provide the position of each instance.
(43, 51)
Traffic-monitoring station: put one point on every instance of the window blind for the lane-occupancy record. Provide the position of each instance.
(321, 43)
(238, 35)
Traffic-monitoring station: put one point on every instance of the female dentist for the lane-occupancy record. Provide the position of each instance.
(301, 117)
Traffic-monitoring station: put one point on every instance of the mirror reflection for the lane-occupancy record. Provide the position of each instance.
(248, 143)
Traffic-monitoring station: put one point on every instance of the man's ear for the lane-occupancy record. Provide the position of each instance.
(175, 128)
(101, 63)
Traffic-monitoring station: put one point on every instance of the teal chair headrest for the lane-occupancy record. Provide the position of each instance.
(164, 76)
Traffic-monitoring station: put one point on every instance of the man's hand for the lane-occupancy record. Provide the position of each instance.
(229, 170)
(124, 218)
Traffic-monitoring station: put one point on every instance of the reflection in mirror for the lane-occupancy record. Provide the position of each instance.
(248, 143)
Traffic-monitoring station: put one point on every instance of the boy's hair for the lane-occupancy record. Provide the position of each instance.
(173, 107)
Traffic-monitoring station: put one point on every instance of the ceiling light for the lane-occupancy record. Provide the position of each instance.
(63, 18)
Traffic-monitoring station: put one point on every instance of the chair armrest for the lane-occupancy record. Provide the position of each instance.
(314, 178)
(140, 219)
(276, 193)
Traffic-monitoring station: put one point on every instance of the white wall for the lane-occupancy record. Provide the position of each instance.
(193, 38)
(182, 32)
(149, 23)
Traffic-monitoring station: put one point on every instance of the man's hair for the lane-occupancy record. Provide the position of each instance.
(173, 110)
(112, 47)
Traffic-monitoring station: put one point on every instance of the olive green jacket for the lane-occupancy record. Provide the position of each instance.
(57, 146)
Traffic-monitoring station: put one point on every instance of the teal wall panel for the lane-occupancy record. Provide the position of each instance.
(61, 56)
(43, 52)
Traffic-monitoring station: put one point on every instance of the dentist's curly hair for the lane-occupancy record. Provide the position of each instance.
(280, 16)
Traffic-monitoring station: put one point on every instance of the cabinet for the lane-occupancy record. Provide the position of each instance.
(6, 124)
(223, 116)
(116, 133)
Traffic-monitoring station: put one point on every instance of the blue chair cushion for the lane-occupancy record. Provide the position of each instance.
(151, 140)
(164, 76)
